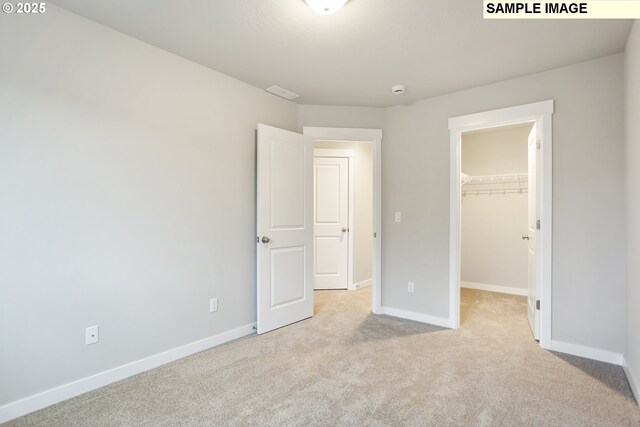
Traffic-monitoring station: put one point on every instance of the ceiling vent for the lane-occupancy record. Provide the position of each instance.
(276, 90)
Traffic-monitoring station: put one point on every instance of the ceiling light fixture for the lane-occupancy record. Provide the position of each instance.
(326, 7)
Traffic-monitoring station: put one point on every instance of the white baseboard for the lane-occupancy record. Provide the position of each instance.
(363, 284)
(418, 317)
(493, 288)
(587, 352)
(634, 382)
(49, 397)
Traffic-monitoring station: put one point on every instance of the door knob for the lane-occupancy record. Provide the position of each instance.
(525, 237)
(265, 239)
(344, 230)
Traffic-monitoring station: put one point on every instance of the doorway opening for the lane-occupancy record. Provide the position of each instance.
(539, 220)
(496, 244)
(284, 221)
(343, 215)
(348, 259)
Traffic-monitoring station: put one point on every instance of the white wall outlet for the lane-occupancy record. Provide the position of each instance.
(398, 216)
(92, 335)
(213, 305)
(410, 287)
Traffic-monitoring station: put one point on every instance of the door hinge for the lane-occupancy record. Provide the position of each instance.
(538, 224)
(538, 144)
(257, 239)
(538, 304)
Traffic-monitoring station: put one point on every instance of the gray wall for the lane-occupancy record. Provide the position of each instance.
(632, 156)
(588, 208)
(127, 193)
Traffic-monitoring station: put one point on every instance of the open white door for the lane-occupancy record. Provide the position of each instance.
(331, 222)
(285, 227)
(533, 295)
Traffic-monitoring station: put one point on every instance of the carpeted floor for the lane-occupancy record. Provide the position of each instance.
(348, 367)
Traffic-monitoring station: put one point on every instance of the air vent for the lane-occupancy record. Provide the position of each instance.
(282, 92)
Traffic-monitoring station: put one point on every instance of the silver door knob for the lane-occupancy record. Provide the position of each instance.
(344, 230)
(265, 239)
(525, 237)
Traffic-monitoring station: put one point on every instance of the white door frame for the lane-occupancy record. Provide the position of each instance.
(541, 113)
(373, 136)
(349, 154)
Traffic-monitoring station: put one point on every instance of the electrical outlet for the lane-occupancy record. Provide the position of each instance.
(92, 335)
(213, 305)
(410, 287)
(398, 216)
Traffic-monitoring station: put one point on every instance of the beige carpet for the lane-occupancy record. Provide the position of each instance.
(348, 367)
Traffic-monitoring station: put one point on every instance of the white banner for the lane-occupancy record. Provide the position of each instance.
(588, 9)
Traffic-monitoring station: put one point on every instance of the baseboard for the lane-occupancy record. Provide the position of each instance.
(634, 382)
(493, 288)
(49, 397)
(363, 284)
(418, 317)
(587, 352)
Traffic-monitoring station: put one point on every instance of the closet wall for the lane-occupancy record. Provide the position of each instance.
(493, 252)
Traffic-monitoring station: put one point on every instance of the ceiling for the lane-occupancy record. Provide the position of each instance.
(354, 56)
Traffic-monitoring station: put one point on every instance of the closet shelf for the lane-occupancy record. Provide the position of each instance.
(499, 191)
(510, 178)
(512, 183)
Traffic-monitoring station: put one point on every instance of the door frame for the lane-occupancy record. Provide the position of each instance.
(349, 154)
(373, 136)
(540, 112)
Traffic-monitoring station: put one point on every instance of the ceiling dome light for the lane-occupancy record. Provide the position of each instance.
(326, 7)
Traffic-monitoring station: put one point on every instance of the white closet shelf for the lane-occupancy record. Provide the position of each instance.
(511, 183)
(494, 191)
(509, 178)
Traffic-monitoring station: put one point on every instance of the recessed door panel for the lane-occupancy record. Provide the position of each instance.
(327, 194)
(287, 184)
(288, 282)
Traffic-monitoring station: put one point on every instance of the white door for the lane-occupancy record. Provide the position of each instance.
(284, 227)
(533, 312)
(331, 222)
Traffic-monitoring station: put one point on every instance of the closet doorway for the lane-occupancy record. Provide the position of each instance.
(498, 183)
(537, 236)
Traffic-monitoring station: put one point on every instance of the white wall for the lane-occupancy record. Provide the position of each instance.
(492, 250)
(632, 156)
(337, 116)
(127, 199)
(588, 217)
(363, 206)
